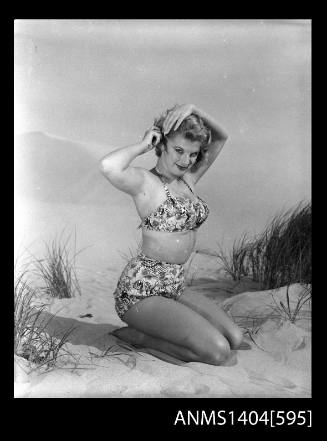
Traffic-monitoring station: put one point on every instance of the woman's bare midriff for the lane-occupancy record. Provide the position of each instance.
(168, 247)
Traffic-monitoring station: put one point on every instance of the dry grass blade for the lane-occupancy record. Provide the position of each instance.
(287, 312)
(132, 252)
(57, 271)
(236, 262)
(279, 256)
(251, 325)
(32, 341)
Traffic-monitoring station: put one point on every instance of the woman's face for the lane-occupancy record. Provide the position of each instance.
(179, 155)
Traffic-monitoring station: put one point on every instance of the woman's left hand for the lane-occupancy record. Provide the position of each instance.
(176, 116)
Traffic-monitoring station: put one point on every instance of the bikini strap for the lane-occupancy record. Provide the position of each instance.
(166, 189)
(154, 171)
(187, 185)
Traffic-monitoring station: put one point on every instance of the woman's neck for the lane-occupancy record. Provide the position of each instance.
(162, 170)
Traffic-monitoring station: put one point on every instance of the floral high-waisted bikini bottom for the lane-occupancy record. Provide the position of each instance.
(143, 277)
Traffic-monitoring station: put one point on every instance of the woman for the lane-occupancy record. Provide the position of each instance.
(149, 295)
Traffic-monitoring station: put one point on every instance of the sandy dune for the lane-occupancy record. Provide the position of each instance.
(56, 170)
(274, 360)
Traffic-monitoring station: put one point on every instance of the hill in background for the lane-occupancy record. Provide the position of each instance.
(51, 169)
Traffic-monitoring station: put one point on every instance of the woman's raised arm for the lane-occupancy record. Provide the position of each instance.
(116, 165)
(218, 139)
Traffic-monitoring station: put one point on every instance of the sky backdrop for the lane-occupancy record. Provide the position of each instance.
(102, 82)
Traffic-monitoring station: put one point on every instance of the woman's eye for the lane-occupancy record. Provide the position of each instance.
(180, 152)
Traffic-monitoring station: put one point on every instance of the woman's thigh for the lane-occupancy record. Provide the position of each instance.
(170, 320)
(215, 315)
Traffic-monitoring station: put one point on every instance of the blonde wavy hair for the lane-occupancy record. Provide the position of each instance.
(192, 128)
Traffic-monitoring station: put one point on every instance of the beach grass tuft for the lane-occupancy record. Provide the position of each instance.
(235, 263)
(279, 256)
(57, 271)
(31, 339)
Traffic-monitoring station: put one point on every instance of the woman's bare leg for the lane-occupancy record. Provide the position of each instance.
(139, 339)
(215, 315)
(161, 347)
(174, 328)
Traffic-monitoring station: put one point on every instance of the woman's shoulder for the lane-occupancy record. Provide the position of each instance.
(147, 174)
(151, 181)
(152, 193)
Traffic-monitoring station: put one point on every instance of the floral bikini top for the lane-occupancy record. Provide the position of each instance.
(176, 213)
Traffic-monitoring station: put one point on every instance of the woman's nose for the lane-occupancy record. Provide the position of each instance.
(185, 159)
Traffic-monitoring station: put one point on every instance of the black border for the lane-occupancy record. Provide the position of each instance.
(150, 415)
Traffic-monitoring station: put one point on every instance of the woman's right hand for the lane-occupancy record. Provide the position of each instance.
(151, 138)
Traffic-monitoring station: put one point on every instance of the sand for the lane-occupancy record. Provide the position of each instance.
(274, 361)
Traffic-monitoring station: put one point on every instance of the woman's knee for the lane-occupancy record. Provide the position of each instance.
(216, 351)
(235, 337)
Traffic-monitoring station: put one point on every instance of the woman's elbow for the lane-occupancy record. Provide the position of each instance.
(105, 166)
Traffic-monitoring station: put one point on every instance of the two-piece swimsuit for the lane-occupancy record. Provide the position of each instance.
(144, 276)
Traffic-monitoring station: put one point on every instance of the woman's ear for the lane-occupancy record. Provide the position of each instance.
(163, 140)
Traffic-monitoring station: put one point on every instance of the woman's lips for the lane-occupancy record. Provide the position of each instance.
(182, 168)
